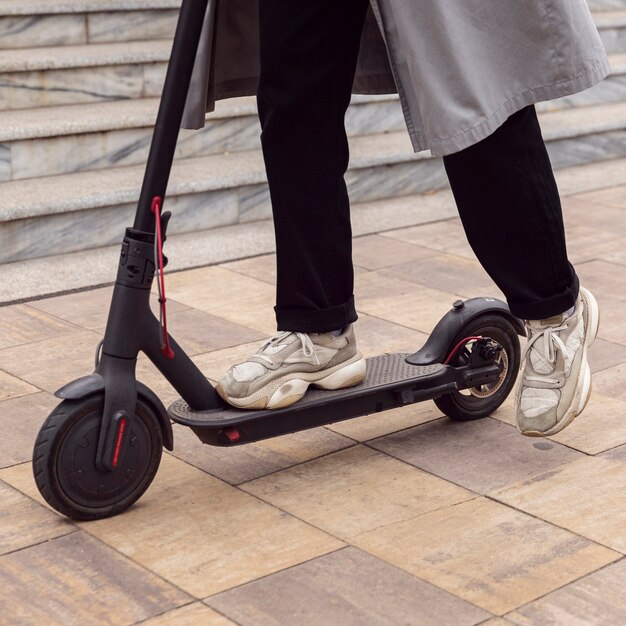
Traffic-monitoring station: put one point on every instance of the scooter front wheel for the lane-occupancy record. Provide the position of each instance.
(479, 402)
(64, 460)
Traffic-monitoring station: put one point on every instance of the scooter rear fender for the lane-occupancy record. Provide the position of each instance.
(94, 383)
(435, 350)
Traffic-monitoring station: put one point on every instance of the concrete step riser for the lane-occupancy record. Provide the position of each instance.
(55, 234)
(25, 90)
(82, 28)
(614, 39)
(606, 5)
(96, 151)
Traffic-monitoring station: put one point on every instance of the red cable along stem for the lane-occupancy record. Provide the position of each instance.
(166, 348)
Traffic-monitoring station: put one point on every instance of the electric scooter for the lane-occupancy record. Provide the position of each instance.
(100, 448)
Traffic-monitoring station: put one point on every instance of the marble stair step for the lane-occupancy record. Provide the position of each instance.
(46, 23)
(50, 141)
(612, 28)
(45, 216)
(65, 272)
(62, 75)
(606, 5)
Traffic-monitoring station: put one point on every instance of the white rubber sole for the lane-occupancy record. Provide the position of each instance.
(288, 390)
(583, 384)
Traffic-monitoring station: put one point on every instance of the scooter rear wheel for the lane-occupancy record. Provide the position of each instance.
(64, 460)
(479, 402)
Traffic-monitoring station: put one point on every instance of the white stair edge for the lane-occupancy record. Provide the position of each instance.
(615, 18)
(54, 7)
(117, 186)
(84, 55)
(55, 275)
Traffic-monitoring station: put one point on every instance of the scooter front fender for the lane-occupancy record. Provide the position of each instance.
(435, 350)
(94, 383)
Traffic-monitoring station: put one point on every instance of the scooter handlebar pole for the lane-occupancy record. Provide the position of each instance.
(169, 118)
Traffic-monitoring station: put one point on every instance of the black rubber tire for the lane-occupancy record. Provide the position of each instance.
(64, 460)
(461, 407)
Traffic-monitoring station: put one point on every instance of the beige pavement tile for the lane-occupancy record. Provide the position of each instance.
(12, 387)
(256, 313)
(600, 427)
(240, 464)
(90, 309)
(345, 587)
(445, 236)
(611, 196)
(450, 273)
(615, 252)
(52, 363)
(374, 252)
(213, 288)
(587, 497)
(586, 243)
(615, 454)
(611, 382)
(199, 533)
(21, 323)
(20, 420)
(150, 376)
(355, 490)
(579, 213)
(481, 455)
(379, 424)
(604, 354)
(261, 268)
(497, 621)
(77, 580)
(197, 331)
(24, 522)
(595, 600)
(486, 553)
(195, 614)
(401, 301)
(377, 336)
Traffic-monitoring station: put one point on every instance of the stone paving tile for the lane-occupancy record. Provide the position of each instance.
(12, 387)
(587, 497)
(497, 621)
(450, 273)
(24, 522)
(256, 313)
(198, 332)
(240, 464)
(355, 490)
(21, 324)
(486, 553)
(374, 252)
(577, 213)
(445, 236)
(90, 309)
(585, 243)
(347, 587)
(379, 424)
(150, 376)
(615, 252)
(261, 268)
(605, 354)
(77, 580)
(482, 455)
(597, 599)
(610, 382)
(52, 363)
(600, 427)
(614, 454)
(199, 533)
(195, 614)
(20, 420)
(401, 301)
(611, 196)
(376, 336)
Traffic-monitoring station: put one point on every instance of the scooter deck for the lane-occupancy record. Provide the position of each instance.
(390, 382)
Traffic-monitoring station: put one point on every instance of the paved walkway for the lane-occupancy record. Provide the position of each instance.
(399, 518)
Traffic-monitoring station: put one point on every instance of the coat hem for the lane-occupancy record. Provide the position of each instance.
(466, 138)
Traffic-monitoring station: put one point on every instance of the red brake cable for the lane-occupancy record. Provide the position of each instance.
(166, 348)
(458, 347)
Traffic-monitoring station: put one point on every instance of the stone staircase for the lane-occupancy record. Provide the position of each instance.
(79, 93)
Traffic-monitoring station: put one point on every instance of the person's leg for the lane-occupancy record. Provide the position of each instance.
(510, 207)
(309, 52)
(509, 204)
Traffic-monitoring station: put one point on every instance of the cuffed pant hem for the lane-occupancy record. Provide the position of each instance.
(548, 307)
(318, 321)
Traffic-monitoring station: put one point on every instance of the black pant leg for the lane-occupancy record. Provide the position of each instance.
(309, 51)
(509, 204)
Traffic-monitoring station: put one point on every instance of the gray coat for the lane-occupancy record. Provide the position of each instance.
(461, 67)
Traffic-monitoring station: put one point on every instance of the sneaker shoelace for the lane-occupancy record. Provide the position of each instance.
(308, 347)
(547, 352)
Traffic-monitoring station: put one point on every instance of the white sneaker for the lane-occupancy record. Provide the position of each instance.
(286, 364)
(555, 383)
